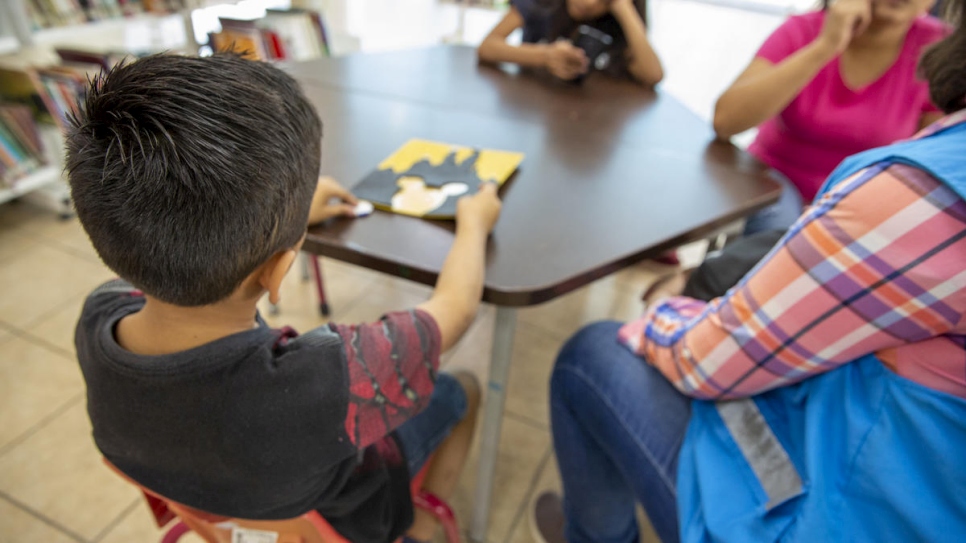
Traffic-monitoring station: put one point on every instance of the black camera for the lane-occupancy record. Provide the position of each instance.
(594, 44)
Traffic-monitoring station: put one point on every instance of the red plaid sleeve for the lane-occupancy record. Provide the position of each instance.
(392, 368)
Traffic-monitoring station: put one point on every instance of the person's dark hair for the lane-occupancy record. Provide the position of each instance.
(559, 25)
(188, 173)
(944, 64)
(562, 25)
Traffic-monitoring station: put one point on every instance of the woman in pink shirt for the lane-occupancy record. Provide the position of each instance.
(827, 85)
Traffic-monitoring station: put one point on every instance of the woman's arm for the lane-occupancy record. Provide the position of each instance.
(929, 117)
(869, 267)
(642, 61)
(764, 89)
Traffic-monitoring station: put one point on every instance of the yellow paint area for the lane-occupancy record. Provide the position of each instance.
(491, 165)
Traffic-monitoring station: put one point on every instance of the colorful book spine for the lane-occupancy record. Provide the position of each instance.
(54, 13)
(19, 120)
(14, 155)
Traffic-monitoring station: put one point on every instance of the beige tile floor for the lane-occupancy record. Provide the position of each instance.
(53, 487)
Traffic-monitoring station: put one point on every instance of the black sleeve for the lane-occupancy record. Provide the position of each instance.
(722, 270)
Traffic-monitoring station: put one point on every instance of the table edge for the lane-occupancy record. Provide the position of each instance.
(529, 296)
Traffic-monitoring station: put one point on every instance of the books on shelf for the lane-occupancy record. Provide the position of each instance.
(66, 84)
(52, 91)
(21, 148)
(106, 60)
(283, 34)
(241, 36)
(301, 33)
(21, 85)
(52, 13)
(165, 6)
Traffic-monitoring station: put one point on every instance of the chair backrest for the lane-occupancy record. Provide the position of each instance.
(309, 528)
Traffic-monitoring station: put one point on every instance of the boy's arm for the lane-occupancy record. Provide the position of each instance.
(642, 61)
(392, 363)
(460, 285)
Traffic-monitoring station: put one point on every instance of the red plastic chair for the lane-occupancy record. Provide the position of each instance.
(309, 528)
(319, 285)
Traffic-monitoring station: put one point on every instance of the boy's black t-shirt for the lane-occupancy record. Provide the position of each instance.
(264, 424)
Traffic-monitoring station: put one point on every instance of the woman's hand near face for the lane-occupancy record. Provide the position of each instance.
(844, 20)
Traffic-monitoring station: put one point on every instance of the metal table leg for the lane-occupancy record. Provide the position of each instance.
(506, 318)
(306, 271)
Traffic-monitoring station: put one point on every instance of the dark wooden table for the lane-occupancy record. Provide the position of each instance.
(614, 173)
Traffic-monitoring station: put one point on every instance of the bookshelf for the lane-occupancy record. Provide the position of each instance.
(44, 185)
(136, 34)
(28, 41)
(36, 180)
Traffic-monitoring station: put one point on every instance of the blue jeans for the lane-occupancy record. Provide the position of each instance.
(618, 425)
(782, 214)
(421, 435)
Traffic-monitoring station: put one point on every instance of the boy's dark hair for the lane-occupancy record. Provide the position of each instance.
(188, 172)
(944, 64)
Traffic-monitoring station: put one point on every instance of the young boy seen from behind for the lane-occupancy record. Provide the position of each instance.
(195, 179)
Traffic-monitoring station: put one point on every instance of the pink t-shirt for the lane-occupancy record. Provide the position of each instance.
(829, 121)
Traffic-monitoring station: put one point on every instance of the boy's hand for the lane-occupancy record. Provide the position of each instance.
(322, 209)
(459, 288)
(480, 210)
(565, 60)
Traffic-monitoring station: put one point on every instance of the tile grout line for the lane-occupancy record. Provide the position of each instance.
(53, 311)
(23, 331)
(540, 330)
(117, 521)
(41, 424)
(8, 328)
(525, 506)
(524, 419)
(41, 342)
(9, 261)
(40, 240)
(79, 253)
(43, 518)
(58, 244)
